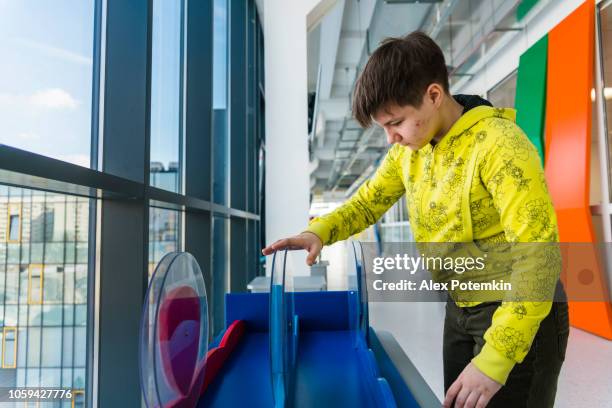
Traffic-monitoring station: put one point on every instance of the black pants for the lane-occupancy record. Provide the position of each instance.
(533, 383)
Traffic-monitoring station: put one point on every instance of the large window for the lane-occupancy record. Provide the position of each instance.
(46, 77)
(140, 92)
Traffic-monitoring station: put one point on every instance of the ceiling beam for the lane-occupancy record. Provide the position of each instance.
(331, 27)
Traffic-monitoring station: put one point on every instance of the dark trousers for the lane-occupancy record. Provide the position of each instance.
(533, 383)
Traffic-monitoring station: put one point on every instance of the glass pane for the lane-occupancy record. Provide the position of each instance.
(68, 340)
(25, 253)
(51, 377)
(34, 347)
(606, 49)
(22, 337)
(166, 94)
(53, 284)
(10, 315)
(220, 269)
(503, 94)
(80, 315)
(221, 158)
(46, 77)
(33, 314)
(11, 293)
(163, 234)
(52, 348)
(32, 378)
(69, 311)
(52, 315)
(79, 399)
(37, 297)
(79, 346)
(36, 252)
(80, 284)
(69, 282)
(79, 378)
(12, 255)
(9, 351)
(14, 228)
(66, 379)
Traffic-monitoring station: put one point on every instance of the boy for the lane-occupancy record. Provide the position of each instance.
(469, 175)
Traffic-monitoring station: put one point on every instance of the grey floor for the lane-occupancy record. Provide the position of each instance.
(586, 376)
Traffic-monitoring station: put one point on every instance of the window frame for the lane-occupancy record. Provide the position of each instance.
(76, 392)
(31, 267)
(9, 224)
(6, 329)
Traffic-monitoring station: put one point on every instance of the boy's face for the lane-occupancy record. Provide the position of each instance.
(410, 126)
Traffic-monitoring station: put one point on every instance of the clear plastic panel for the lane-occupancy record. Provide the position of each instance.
(283, 329)
(174, 333)
(351, 267)
(354, 306)
(362, 289)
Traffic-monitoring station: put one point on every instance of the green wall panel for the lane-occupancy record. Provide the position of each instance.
(531, 93)
(524, 7)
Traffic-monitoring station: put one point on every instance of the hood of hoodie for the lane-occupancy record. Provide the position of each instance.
(475, 110)
(471, 101)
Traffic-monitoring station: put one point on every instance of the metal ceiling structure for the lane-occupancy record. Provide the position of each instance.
(342, 154)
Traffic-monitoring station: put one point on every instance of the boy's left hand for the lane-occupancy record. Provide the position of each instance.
(471, 389)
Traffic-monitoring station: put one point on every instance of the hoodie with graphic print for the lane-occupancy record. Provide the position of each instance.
(483, 182)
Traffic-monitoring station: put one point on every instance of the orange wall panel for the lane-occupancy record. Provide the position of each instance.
(568, 142)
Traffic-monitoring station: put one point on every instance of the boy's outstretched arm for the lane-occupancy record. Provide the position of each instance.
(360, 211)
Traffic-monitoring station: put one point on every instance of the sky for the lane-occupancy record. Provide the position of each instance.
(45, 77)
(46, 66)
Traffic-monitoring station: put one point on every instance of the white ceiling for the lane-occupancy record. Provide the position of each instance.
(338, 45)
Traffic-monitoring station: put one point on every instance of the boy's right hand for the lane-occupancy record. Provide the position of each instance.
(306, 240)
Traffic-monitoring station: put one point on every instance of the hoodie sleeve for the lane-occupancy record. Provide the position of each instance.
(366, 206)
(512, 173)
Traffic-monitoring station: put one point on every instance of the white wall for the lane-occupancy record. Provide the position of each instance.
(287, 174)
(497, 65)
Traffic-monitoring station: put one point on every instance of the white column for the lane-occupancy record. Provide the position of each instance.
(287, 176)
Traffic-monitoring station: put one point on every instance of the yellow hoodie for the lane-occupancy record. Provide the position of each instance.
(483, 182)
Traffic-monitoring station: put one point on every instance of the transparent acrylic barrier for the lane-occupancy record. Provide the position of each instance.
(283, 329)
(351, 267)
(362, 319)
(174, 333)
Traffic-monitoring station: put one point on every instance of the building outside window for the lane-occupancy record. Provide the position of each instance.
(43, 291)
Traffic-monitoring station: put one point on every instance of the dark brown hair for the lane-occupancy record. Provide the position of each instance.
(399, 71)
